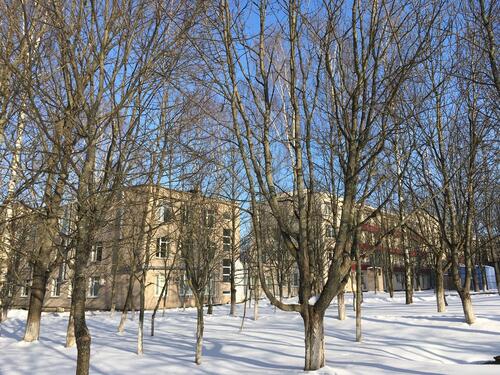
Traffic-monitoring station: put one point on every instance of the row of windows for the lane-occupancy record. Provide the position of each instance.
(55, 287)
(163, 244)
(165, 214)
(95, 282)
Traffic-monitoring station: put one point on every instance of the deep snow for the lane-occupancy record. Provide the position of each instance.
(396, 339)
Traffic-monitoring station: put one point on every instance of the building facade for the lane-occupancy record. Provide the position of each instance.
(144, 231)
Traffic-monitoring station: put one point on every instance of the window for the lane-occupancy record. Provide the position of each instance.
(165, 212)
(162, 247)
(160, 282)
(296, 279)
(226, 239)
(96, 253)
(185, 215)
(330, 232)
(184, 288)
(226, 270)
(55, 288)
(327, 208)
(93, 286)
(209, 218)
(25, 288)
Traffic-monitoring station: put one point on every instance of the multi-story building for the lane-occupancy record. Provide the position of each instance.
(145, 230)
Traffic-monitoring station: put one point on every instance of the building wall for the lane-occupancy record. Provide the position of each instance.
(125, 239)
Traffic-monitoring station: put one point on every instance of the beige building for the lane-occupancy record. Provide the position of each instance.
(146, 229)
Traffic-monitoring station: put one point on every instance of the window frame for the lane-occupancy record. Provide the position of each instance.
(93, 281)
(162, 241)
(158, 287)
(96, 252)
(227, 239)
(226, 270)
(55, 287)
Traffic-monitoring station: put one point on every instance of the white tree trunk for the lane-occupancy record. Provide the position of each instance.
(341, 305)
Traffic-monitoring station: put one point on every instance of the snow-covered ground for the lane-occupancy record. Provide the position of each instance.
(396, 339)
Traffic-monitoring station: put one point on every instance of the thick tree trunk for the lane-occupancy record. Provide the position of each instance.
(70, 332)
(38, 289)
(341, 305)
(199, 333)
(440, 300)
(4, 311)
(470, 318)
(82, 334)
(314, 339)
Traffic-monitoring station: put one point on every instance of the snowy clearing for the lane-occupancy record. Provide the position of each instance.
(396, 339)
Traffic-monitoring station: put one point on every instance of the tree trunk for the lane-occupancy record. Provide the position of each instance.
(162, 296)
(470, 318)
(38, 289)
(210, 307)
(341, 305)
(4, 311)
(484, 281)
(70, 332)
(314, 340)
(475, 280)
(256, 293)
(359, 297)
(390, 283)
(408, 277)
(140, 331)
(441, 304)
(126, 305)
(199, 333)
(82, 334)
(497, 275)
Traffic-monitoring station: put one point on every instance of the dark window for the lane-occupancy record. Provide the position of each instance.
(96, 253)
(330, 232)
(209, 218)
(226, 270)
(94, 286)
(165, 212)
(162, 245)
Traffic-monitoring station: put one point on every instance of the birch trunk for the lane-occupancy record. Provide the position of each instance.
(341, 305)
